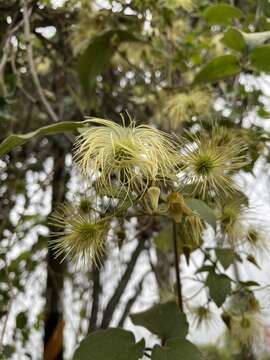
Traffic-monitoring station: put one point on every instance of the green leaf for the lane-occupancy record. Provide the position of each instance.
(222, 14)
(163, 240)
(219, 287)
(205, 268)
(225, 256)
(21, 320)
(219, 68)
(113, 344)
(97, 56)
(203, 210)
(164, 320)
(95, 59)
(249, 283)
(234, 40)
(260, 58)
(176, 349)
(253, 261)
(8, 351)
(256, 39)
(15, 140)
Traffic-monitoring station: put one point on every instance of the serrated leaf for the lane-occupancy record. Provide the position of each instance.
(203, 210)
(219, 287)
(176, 349)
(219, 68)
(234, 40)
(15, 140)
(222, 14)
(164, 320)
(225, 256)
(260, 58)
(113, 344)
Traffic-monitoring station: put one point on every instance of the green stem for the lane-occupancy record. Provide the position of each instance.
(177, 267)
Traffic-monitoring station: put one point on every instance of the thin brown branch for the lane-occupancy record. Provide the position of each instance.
(12, 297)
(113, 302)
(95, 300)
(177, 267)
(29, 48)
(131, 301)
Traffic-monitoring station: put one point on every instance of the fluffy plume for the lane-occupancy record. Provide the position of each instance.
(209, 161)
(202, 316)
(233, 213)
(257, 240)
(133, 157)
(193, 226)
(181, 107)
(248, 329)
(78, 236)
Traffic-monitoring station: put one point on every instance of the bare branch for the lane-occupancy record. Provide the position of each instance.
(31, 64)
(112, 304)
(95, 303)
(131, 301)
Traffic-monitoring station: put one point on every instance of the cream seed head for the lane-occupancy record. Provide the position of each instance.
(247, 328)
(233, 213)
(208, 164)
(181, 107)
(202, 316)
(78, 236)
(193, 226)
(134, 157)
(257, 239)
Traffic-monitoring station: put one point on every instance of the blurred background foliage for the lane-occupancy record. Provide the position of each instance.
(184, 66)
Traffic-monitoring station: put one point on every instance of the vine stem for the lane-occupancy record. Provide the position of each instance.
(177, 266)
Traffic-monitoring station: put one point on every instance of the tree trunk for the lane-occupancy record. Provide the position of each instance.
(54, 321)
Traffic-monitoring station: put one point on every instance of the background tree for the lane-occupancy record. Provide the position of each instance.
(189, 68)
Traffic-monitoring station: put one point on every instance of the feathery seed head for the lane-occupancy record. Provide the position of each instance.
(151, 199)
(248, 329)
(133, 157)
(178, 207)
(208, 164)
(202, 316)
(233, 214)
(181, 107)
(193, 226)
(78, 236)
(257, 239)
(244, 301)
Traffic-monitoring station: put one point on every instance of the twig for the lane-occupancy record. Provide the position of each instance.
(31, 64)
(6, 50)
(95, 303)
(5, 324)
(113, 302)
(12, 296)
(131, 301)
(147, 355)
(177, 267)
(195, 294)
